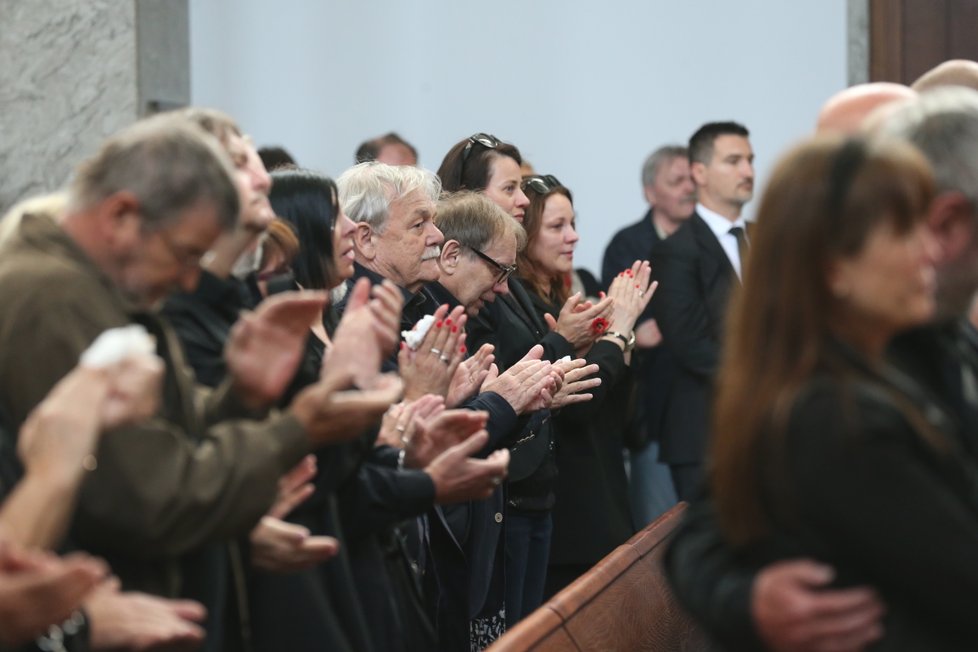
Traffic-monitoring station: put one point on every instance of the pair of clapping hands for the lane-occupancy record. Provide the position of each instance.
(432, 362)
(582, 323)
(116, 384)
(443, 444)
(39, 590)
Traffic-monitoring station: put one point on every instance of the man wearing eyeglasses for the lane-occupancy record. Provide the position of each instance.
(477, 258)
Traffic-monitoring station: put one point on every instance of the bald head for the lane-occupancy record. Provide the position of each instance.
(846, 111)
(956, 72)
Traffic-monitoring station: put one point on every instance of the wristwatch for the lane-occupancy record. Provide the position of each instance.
(627, 340)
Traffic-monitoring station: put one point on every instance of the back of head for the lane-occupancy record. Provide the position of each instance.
(308, 202)
(956, 72)
(820, 205)
(468, 164)
(275, 157)
(943, 123)
(475, 221)
(701, 142)
(369, 150)
(367, 190)
(168, 163)
(845, 112)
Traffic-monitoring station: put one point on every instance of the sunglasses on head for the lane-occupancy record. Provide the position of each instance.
(540, 183)
(486, 140)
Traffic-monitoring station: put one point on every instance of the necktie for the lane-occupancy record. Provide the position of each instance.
(742, 246)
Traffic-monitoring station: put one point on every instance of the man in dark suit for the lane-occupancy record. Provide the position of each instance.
(669, 190)
(697, 267)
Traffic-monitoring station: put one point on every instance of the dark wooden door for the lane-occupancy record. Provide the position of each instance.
(909, 37)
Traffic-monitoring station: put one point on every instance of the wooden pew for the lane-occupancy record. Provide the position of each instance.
(622, 604)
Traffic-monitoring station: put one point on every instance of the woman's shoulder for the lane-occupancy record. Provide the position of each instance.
(847, 405)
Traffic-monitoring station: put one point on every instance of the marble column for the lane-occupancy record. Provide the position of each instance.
(76, 71)
(858, 41)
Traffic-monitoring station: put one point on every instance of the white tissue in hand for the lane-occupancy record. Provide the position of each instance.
(566, 358)
(414, 336)
(117, 344)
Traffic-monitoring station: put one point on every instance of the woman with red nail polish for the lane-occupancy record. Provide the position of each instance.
(586, 474)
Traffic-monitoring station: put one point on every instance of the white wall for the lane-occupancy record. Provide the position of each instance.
(586, 90)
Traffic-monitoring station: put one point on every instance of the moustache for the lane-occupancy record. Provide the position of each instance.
(431, 252)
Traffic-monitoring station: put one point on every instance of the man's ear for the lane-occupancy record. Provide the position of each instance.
(697, 170)
(448, 260)
(364, 241)
(951, 219)
(119, 220)
(649, 195)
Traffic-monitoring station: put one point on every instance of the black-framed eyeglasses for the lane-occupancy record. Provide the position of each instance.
(486, 140)
(505, 271)
(185, 258)
(540, 183)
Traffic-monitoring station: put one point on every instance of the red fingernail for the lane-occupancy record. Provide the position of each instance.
(462, 349)
(448, 322)
(438, 324)
(403, 345)
(455, 328)
(602, 295)
(636, 285)
(628, 272)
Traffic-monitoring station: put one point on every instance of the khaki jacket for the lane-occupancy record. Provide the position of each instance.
(188, 477)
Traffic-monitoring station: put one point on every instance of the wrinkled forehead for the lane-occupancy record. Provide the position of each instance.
(412, 205)
(502, 248)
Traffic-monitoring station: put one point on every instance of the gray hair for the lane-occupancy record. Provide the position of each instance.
(943, 124)
(653, 164)
(168, 163)
(367, 190)
(475, 221)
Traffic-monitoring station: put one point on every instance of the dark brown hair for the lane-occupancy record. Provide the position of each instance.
(821, 203)
(461, 171)
(554, 289)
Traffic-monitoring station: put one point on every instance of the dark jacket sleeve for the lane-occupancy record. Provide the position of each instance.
(380, 496)
(902, 512)
(679, 307)
(502, 418)
(710, 580)
(165, 486)
(611, 369)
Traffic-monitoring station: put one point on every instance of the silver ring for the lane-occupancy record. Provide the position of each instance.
(444, 358)
(401, 428)
(435, 351)
(496, 481)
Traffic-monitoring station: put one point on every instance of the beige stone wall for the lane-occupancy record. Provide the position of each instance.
(75, 71)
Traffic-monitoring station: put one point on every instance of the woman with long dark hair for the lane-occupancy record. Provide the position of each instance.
(821, 448)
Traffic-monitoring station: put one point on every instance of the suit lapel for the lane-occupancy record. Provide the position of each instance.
(520, 302)
(714, 263)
